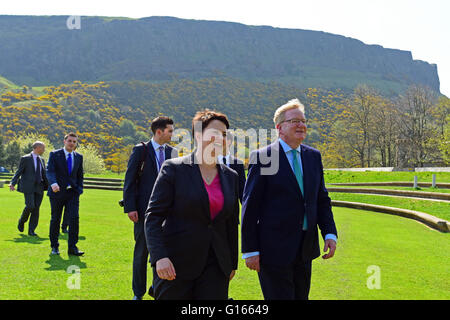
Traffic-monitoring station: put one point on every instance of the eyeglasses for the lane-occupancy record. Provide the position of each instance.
(296, 121)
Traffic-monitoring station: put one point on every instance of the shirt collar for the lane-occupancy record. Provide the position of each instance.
(286, 147)
(220, 159)
(67, 152)
(156, 145)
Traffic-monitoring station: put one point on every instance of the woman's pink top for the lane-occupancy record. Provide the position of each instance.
(215, 195)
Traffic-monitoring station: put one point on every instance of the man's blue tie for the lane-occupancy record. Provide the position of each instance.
(299, 177)
(38, 176)
(69, 163)
(161, 156)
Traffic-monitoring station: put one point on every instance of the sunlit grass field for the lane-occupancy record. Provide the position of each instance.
(333, 176)
(413, 260)
(435, 208)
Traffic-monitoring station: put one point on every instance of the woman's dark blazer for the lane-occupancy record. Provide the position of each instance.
(178, 223)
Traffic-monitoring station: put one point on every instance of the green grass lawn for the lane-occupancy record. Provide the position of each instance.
(419, 189)
(333, 176)
(106, 175)
(413, 260)
(435, 208)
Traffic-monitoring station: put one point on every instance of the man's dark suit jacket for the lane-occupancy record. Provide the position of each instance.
(137, 196)
(178, 224)
(273, 207)
(238, 166)
(25, 176)
(57, 172)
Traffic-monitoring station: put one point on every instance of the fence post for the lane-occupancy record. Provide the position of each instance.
(433, 183)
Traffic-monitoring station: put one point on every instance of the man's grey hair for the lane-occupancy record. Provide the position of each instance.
(38, 144)
(278, 117)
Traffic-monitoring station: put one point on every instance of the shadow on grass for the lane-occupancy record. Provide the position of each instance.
(38, 240)
(57, 263)
(28, 239)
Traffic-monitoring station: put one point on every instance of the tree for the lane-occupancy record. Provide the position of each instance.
(28, 148)
(355, 125)
(2, 152)
(444, 145)
(127, 128)
(416, 125)
(441, 115)
(25, 141)
(364, 106)
(13, 155)
(92, 161)
(385, 132)
(440, 112)
(118, 160)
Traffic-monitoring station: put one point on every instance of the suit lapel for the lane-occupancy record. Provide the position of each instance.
(76, 162)
(42, 164)
(63, 161)
(198, 184)
(39, 163)
(286, 169)
(307, 169)
(32, 162)
(151, 153)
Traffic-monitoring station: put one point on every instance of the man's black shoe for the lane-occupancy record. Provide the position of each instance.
(31, 233)
(55, 251)
(75, 252)
(151, 292)
(20, 226)
(64, 230)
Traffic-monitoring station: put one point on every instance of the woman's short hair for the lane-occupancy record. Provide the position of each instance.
(278, 117)
(206, 116)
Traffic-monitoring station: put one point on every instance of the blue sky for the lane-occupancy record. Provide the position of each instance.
(422, 27)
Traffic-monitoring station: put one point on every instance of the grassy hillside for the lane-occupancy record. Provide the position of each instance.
(7, 84)
(97, 111)
(161, 48)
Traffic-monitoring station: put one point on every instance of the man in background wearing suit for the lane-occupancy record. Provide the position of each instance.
(234, 163)
(65, 176)
(65, 219)
(282, 209)
(32, 182)
(137, 188)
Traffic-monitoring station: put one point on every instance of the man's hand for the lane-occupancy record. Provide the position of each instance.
(165, 269)
(329, 244)
(55, 187)
(133, 215)
(233, 272)
(252, 263)
(11, 187)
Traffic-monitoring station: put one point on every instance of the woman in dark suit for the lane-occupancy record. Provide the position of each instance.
(191, 224)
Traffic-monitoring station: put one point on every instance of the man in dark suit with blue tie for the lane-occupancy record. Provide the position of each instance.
(285, 199)
(143, 167)
(65, 177)
(32, 181)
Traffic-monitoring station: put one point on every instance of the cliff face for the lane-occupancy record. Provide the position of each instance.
(43, 51)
